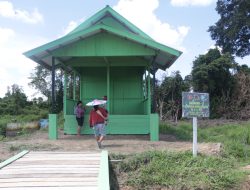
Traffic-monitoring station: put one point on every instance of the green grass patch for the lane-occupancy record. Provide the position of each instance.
(234, 137)
(179, 171)
(182, 131)
(32, 147)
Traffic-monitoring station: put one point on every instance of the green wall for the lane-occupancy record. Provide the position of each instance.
(126, 92)
(104, 44)
(127, 104)
(107, 59)
(118, 124)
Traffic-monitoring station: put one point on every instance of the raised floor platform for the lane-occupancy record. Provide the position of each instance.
(55, 170)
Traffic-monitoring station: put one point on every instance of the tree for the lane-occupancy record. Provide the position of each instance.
(169, 94)
(41, 81)
(212, 73)
(239, 106)
(14, 100)
(232, 30)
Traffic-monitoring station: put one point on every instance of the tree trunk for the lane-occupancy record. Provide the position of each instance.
(161, 103)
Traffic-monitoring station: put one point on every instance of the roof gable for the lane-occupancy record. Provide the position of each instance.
(111, 18)
(104, 44)
(106, 21)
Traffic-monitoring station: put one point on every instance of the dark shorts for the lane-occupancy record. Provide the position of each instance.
(80, 121)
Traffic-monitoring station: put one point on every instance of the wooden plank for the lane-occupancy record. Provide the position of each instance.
(76, 162)
(73, 171)
(12, 159)
(48, 175)
(60, 159)
(103, 178)
(48, 169)
(52, 171)
(63, 152)
(62, 155)
(53, 188)
(69, 179)
(53, 166)
(47, 184)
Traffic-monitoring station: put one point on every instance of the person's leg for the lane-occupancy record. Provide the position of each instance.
(101, 138)
(97, 138)
(97, 135)
(102, 133)
(78, 131)
(80, 125)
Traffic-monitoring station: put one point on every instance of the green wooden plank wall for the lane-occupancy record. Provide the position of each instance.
(126, 92)
(104, 44)
(118, 124)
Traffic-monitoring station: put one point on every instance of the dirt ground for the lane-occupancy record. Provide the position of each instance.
(120, 144)
(123, 144)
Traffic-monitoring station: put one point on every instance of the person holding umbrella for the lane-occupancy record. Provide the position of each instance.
(97, 119)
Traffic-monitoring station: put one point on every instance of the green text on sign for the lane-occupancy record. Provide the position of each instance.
(195, 104)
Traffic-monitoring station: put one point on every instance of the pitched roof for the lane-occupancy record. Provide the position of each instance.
(106, 16)
(109, 21)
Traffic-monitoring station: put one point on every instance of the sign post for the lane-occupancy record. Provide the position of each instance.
(195, 105)
(195, 148)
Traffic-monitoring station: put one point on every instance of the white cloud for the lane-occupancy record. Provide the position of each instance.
(213, 47)
(143, 16)
(5, 35)
(7, 10)
(71, 26)
(15, 68)
(183, 3)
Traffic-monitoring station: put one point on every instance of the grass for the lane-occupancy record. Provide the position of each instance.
(171, 170)
(179, 171)
(234, 137)
(32, 147)
(31, 115)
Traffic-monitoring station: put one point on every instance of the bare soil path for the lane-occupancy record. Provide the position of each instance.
(123, 144)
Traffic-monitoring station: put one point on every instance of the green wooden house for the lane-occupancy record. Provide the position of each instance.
(108, 56)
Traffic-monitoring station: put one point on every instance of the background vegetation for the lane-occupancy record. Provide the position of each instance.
(15, 107)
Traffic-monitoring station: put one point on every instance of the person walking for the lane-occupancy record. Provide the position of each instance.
(79, 112)
(97, 119)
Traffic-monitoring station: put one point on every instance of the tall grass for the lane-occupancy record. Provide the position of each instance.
(150, 170)
(234, 137)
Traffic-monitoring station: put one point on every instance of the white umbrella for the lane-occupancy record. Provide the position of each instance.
(96, 102)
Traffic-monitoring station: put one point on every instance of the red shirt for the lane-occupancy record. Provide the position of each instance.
(95, 118)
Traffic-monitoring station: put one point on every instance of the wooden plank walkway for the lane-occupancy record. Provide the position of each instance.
(52, 171)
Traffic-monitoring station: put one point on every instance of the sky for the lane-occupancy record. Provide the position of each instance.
(26, 24)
